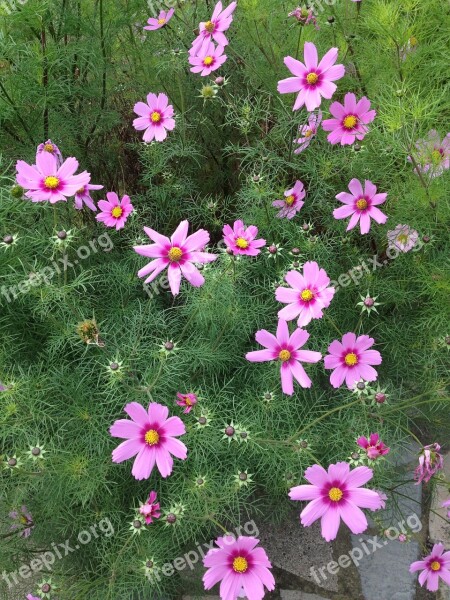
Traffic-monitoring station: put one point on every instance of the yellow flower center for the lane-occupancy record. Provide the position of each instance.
(49, 148)
(209, 26)
(306, 295)
(351, 359)
(435, 565)
(51, 183)
(312, 78)
(290, 200)
(208, 60)
(402, 238)
(23, 520)
(361, 204)
(188, 402)
(335, 494)
(436, 157)
(240, 564)
(350, 121)
(161, 21)
(413, 41)
(155, 117)
(117, 212)
(241, 243)
(284, 355)
(151, 437)
(175, 254)
(308, 133)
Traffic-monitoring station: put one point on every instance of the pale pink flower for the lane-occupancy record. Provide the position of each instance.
(433, 155)
(221, 20)
(312, 80)
(178, 254)
(308, 132)
(335, 495)
(434, 567)
(241, 239)
(23, 521)
(430, 462)
(446, 504)
(207, 59)
(351, 360)
(48, 181)
(308, 295)
(285, 348)
(188, 401)
(114, 212)
(51, 148)
(241, 568)
(150, 435)
(151, 509)
(162, 20)
(360, 205)
(155, 117)
(83, 196)
(383, 499)
(373, 446)
(403, 238)
(350, 120)
(292, 203)
(31, 597)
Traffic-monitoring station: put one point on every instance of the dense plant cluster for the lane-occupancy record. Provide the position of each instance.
(322, 231)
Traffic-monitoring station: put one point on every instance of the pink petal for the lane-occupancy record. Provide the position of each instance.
(330, 524)
(137, 412)
(126, 450)
(144, 463)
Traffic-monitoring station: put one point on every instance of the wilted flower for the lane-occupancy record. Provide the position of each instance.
(52, 149)
(308, 132)
(433, 155)
(403, 238)
(434, 567)
(350, 120)
(373, 446)
(151, 509)
(83, 196)
(305, 16)
(89, 332)
(187, 401)
(430, 462)
(292, 202)
(23, 521)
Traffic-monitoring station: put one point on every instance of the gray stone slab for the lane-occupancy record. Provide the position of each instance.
(295, 595)
(440, 525)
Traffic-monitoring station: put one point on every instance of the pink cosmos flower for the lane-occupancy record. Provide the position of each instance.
(435, 566)
(286, 349)
(336, 495)
(23, 521)
(360, 205)
(312, 80)
(433, 156)
(207, 59)
(48, 181)
(403, 238)
(151, 509)
(155, 117)
(115, 212)
(83, 196)
(430, 462)
(373, 446)
(308, 132)
(292, 202)
(308, 295)
(186, 400)
(241, 239)
(151, 436)
(178, 254)
(351, 360)
(446, 504)
(162, 20)
(350, 122)
(31, 597)
(51, 148)
(242, 569)
(214, 29)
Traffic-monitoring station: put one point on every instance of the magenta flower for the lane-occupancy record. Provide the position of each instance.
(179, 254)
(308, 295)
(242, 569)
(373, 446)
(312, 80)
(350, 122)
(433, 156)
(83, 196)
(23, 521)
(435, 566)
(155, 117)
(308, 132)
(162, 20)
(51, 148)
(286, 349)
(214, 29)
(207, 59)
(114, 212)
(336, 495)
(446, 504)
(360, 205)
(241, 239)
(430, 462)
(48, 181)
(186, 400)
(351, 360)
(292, 202)
(151, 436)
(403, 238)
(151, 509)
